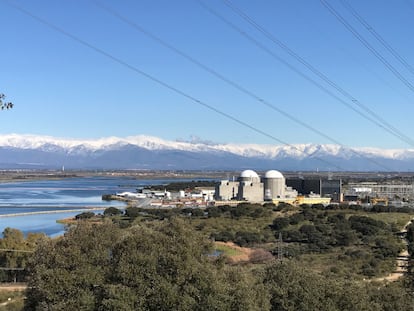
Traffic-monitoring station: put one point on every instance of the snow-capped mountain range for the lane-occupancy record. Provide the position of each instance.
(147, 152)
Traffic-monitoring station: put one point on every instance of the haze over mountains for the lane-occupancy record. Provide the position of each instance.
(146, 152)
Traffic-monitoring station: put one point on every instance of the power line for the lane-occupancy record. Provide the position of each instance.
(317, 72)
(297, 71)
(163, 84)
(361, 39)
(280, 248)
(223, 78)
(346, 49)
(294, 69)
(377, 36)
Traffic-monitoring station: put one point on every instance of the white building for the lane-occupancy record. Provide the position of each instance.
(249, 187)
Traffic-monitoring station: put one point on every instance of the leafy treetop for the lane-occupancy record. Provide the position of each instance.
(4, 104)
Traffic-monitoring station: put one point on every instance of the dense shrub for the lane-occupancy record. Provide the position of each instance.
(224, 236)
(213, 211)
(282, 206)
(133, 212)
(366, 225)
(387, 247)
(245, 238)
(280, 223)
(249, 210)
(85, 215)
(296, 218)
(112, 211)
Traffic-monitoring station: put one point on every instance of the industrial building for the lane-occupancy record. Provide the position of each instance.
(390, 190)
(250, 187)
(327, 188)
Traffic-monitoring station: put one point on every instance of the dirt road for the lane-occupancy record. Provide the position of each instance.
(402, 262)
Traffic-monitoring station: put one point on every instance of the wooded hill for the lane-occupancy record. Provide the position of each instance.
(164, 260)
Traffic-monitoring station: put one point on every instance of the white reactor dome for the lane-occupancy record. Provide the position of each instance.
(249, 174)
(273, 174)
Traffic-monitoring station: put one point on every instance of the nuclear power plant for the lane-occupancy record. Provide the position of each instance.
(250, 187)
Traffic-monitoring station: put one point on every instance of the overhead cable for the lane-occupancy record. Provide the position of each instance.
(218, 75)
(377, 36)
(297, 71)
(361, 39)
(166, 85)
(397, 133)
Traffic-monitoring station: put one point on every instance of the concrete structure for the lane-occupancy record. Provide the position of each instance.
(390, 190)
(274, 185)
(227, 190)
(329, 188)
(249, 176)
(249, 187)
(315, 199)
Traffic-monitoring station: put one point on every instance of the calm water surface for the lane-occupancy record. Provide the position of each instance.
(65, 194)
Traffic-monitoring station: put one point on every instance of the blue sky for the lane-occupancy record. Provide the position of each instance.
(65, 89)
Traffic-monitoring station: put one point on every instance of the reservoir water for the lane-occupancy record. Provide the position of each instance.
(67, 192)
(63, 195)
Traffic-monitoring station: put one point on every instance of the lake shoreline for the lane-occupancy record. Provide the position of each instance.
(46, 192)
(53, 211)
(10, 176)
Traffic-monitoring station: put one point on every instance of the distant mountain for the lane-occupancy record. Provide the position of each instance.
(146, 152)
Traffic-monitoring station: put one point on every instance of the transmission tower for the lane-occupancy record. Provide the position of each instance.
(280, 249)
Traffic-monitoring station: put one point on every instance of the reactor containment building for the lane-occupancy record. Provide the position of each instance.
(250, 187)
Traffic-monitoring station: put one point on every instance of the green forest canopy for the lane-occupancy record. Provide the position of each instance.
(166, 265)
